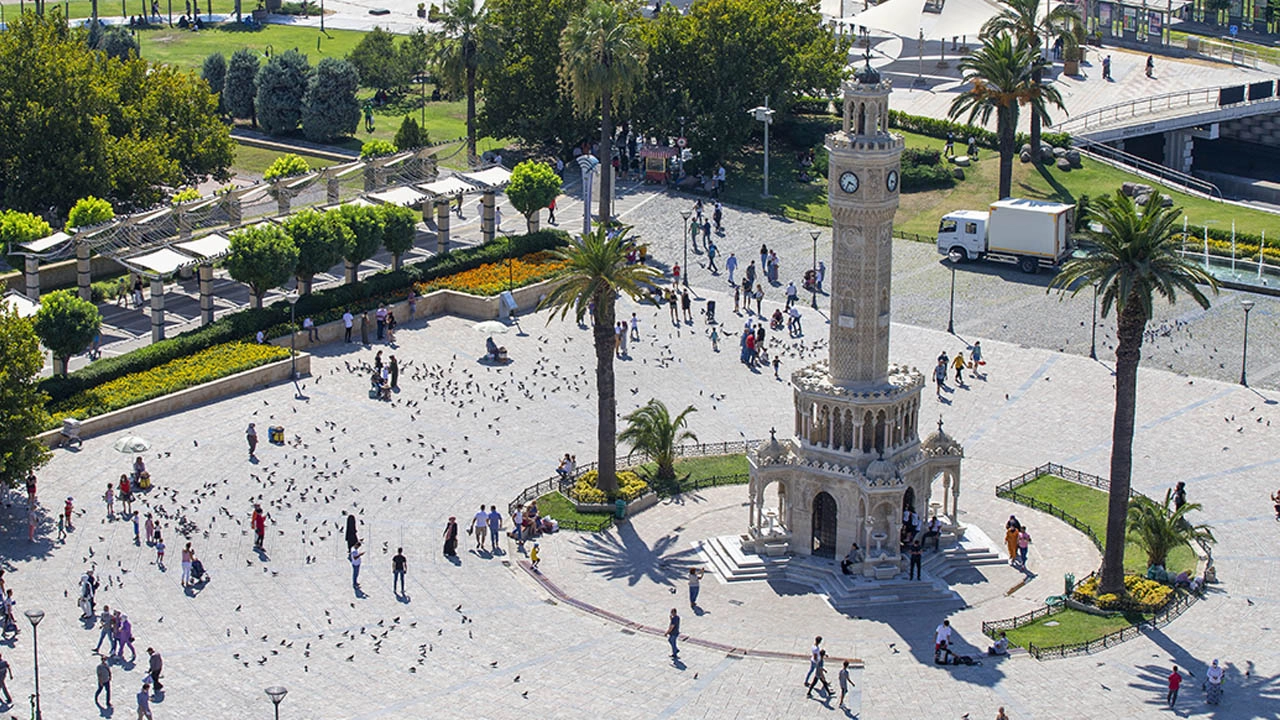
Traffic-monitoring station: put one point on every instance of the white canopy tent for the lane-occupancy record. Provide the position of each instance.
(158, 263)
(404, 196)
(446, 187)
(206, 249)
(54, 244)
(495, 177)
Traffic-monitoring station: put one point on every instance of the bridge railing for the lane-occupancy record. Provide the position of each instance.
(1150, 170)
(1210, 97)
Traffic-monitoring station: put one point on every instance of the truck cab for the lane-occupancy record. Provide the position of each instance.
(963, 234)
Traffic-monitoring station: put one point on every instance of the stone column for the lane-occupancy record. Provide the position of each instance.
(184, 225)
(31, 271)
(233, 212)
(332, 191)
(157, 309)
(370, 178)
(352, 272)
(206, 293)
(84, 274)
(442, 225)
(486, 217)
(955, 498)
(282, 200)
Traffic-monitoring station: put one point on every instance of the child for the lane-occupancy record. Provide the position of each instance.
(535, 557)
(66, 512)
(159, 551)
(776, 364)
(62, 529)
(110, 497)
(844, 682)
(151, 529)
(737, 298)
(715, 339)
(137, 539)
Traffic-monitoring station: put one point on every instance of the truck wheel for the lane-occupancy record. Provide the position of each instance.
(957, 254)
(1029, 265)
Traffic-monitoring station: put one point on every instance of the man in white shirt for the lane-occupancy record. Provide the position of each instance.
(309, 325)
(480, 527)
(815, 654)
(356, 554)
(792, 294)
(347, 321)
(941, 639)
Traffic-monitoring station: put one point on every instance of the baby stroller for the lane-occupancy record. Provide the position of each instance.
(198, 575)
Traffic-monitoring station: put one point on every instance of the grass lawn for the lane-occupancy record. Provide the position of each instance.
(1072, 626)
(106, 8)
(1089, 505)
(1266, 53)
(919, 212)
(691, 470)
(252, 160)
(562, 509)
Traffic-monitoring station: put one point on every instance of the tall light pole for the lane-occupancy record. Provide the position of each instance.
(1244, 358)
(276, 693)
(588, 163)
(292, 297)
(35, 616)
(813, 284)
(1093, 334)
(764, 115)
(951, 313)
(684, 237)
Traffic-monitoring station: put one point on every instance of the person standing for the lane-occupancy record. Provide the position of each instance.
(686, 304)
(144, 702)
(731, 265)
(155, 667)
(251, 437)
(348, 320)
(380, 316)
(110, 497)
(695, 585)
(815, 653)
(393, 367)
(187, 555)
(940, 376)
(718, 214)
(975, 357)
(843, 677)
(125, 638)
(495, 517)
(480, 528)
(451, 537)
(792, 294)
(957, 364)
(6, 674)
(1175, 682)
(356, 554)
(398, 567)
(104, 681)
(759, 296)
(535, 556)
(673, 633)
(105, 630)
(822, 273)
(258, 521)
(1179, 495)
(950, 149)
(1213, 683)
(364, 328)
(413, 304)
(915, 561)
(635, 327)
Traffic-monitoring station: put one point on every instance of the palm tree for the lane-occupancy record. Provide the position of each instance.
(462, 47)
(603, 57)
(1023, 20)
(652, 431)
(1001, 72)
(1134, 258)
(596, 272)
(1158, 529)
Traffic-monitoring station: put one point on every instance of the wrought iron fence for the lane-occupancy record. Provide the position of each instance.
(1172, 609)
(991, 627)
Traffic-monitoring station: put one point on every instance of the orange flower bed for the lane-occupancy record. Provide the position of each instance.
(493, 278)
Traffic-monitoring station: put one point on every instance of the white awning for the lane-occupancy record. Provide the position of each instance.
(208, 248)
(159, 263)
(403, 195)
(45, 244)
(907, 18)
(25, 306)
(495, 177)
(448, 187)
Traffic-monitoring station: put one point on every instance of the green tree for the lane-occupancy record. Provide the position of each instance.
(329, 107)
(521, 100)
(66, 325)
(240, 86)
(117, 42)
(464, 45)
(88, 212)
(322, 240)
(263, 257)
(652, 431)
(604, 59)
(214, 72)
(1001, 81)
(533, 186)
(281, 84)
(22, 414)
(415, 53)
(399, 230)
(365, 224)
(596, 272)
(287, 165)
(410, 135)
(19, 227)
(1158, 529)
(376, 148)
(378, 62)
(1023, 19)
(1134, 257)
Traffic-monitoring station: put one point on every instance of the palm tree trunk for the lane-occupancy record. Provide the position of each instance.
(1007, 123)
(1036, 76)
(1130, 325)
(607, 404)
(606, 156)
(471, 112)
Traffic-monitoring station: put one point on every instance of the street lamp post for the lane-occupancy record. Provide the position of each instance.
(1093, 333)
(1244, 358)
(813, 284)
(588, 164)
(276, 693)
(35, 616)
(951, 313)
(684, 237)
(764, 115)
(292, 297)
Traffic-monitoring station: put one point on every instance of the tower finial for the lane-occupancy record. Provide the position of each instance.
(939, 423)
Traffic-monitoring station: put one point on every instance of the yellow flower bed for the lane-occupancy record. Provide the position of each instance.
(1137, 590)
(584, 489)
(216, 362)
(493, 278)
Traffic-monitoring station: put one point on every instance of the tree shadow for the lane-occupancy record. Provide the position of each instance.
(1245, 693)
(621, 554)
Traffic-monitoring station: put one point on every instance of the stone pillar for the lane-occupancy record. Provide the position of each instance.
(442, 225)
(31, 271)
(1178, 147)
(282, 201)
(84, 274)
(157, 309)
(234, 217)
(184, 225)
(352, 272)
(486, 217)
(370, 178)
(332, 191)
(206, 293)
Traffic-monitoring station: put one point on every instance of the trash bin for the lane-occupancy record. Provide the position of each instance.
(620, 508)
(1068, 583)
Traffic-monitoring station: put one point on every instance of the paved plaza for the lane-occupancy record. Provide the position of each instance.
(461, 433)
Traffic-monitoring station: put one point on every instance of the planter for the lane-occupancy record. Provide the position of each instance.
(1071, 67)
(644, 502)
(260, 16)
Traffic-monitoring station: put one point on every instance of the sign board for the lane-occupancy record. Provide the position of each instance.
(1234, 30)
(1154, 22)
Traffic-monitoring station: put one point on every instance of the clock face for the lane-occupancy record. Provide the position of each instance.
(891, 181)
(849, 182)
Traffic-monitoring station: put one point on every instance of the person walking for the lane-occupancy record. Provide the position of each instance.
(258, 521)
(480, 527)
(635, 327)
(551, 212)
(1179, 495)
(348, 320)
(1175, 682)
(187, 556)
(251, 437)
(975, 358)
(106, 631)
(495, 517)
(815, 653)
(6, 674)
(154, 667)
(686, 304)
(1024, 541)
(718, 214)
(958, 365)
(712, 251)
(820, 676)
(673, 634)
(1213, 683)
(104, 681)
(695, 585)
(144, 702)
(950, 149)
(356, 554)
(845, 683)
(124, 638)
(940, 376)
(451, 537)
(535, 556)
(398, 567)
(731, 265)
(915, 561)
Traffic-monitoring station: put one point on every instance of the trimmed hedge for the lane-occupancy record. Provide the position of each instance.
(932, 127)
(323, 306)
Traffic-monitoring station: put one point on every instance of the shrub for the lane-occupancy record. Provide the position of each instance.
(281, 84)
(116, 42)
(492, 278)
(410, 135)
(376, 148)
(921, 156)
(88, 212)
(19, 227)
(329, 107)
(1146, 595)
(584, 489)
(240, 86)
(185, 195)
(202, 367)
(286, 165)
(925, 177)
(214, 72)
(66, 324)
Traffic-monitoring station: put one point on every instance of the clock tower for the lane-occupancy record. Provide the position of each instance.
(856, 470)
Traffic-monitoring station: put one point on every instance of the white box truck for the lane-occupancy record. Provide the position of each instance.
(1028, 232)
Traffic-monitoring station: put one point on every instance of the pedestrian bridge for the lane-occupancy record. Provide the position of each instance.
(1174, 111)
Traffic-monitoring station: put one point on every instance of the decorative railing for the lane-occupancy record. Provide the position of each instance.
(1172, 609)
